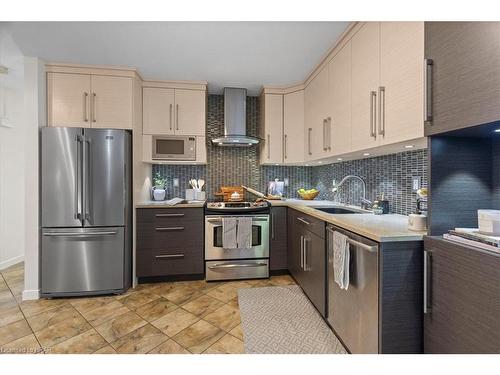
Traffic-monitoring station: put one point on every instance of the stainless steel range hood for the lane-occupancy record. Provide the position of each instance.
(235, 127)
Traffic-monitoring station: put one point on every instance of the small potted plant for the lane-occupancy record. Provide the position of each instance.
(159, 187)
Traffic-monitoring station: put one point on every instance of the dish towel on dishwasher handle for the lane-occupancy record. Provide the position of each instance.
(229, 232)
(341, 260)
(244, 233)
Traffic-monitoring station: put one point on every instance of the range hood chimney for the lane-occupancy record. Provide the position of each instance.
(235, 126)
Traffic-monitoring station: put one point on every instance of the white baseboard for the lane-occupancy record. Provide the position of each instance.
(31, 294)
(10, 262)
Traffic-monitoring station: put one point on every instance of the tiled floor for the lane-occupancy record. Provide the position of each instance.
(181, 317)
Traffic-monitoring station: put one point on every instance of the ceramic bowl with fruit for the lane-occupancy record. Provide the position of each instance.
(308, 195)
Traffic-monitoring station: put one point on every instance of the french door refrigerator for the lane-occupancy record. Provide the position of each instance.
(86, 233)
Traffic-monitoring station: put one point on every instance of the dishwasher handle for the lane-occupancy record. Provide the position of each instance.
(361, 245)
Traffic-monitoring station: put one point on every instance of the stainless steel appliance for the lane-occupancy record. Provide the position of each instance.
(86, 233)
(173, 147)
(353, 313)
(227, 264)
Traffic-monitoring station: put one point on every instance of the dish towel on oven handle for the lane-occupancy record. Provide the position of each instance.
(244, 233)
(341, 260)
(229, 232)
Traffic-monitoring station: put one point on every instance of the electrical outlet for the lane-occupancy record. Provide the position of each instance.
(416, 182)
(176, 182)
(285, 180)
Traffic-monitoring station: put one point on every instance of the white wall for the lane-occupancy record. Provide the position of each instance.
(23, 100)
(12, 155)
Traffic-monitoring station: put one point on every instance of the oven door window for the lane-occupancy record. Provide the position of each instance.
(170, 147)
(256, 236)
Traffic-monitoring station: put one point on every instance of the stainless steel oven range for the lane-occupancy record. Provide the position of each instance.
(239, 263)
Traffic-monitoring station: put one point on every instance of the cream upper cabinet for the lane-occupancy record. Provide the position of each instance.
(158, 110)
(365, 49)
(293, 127)
(112, 99)
(190, 112)
(68, 100)
(272, 129)
(316, 116)
(89, 100)
(339, 121)
(401, 79)
(174, 111)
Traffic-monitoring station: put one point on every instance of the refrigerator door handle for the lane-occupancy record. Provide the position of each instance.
(78, 178)
(79, 234)
(88, 181)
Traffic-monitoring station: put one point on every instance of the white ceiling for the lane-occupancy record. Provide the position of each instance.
(237, 54)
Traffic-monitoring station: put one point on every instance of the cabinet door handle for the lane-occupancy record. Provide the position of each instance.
(373, 110)
(169, 215)
(381, 111)
(177, 117)
(286, 146)
(166, 229)
(269, 146)
(306, 250)
(302, 252)
(329, 131)
(85, 114)
(272, 226)
(172, 256)
(94, 108)
(324, 135)
(428, 66)
(427, 282)
(170, 116)
(309, 141)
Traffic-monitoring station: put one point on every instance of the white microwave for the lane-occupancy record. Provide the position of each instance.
(173, 147)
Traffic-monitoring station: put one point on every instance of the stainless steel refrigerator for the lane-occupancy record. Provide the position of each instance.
(86, 208)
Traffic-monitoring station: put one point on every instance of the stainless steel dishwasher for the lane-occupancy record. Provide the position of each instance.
(353, 313)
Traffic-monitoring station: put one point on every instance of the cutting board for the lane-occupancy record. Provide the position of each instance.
(226, 191)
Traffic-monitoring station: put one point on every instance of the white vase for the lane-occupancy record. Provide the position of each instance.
(159, 194)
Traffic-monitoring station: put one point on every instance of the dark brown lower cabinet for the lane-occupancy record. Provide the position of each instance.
(278, 241)
(307, 256)
(462, 298)
(170, 242)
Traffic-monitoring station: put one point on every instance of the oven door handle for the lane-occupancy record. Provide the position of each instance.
(236, 265)
(219, 220)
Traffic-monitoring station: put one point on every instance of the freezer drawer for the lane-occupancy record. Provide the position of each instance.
(237, 269)
(78, 261)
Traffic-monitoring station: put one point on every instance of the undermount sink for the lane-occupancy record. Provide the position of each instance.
(337, 210)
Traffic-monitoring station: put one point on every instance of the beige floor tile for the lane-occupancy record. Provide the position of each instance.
(175, 321)
(10, 315)
(137, 299)
(104, 313)
(52, 317)
(226, 318)
(141, 340)
(160, 288)
(203, 305)
(3, 284)
(108, 349)
(199, 336)
(182, 293)
(87, 304)
(227, 345)
(262, 283)
(25, 345)
(234, 303)
(237, 332)
(38, 306)
(169, 347)
(156, 309)
(7, 300)
(227, 292)
(202, 285)
(84, 343)
(14, 331)
(119, 326)
(62, 331)
(282, 280)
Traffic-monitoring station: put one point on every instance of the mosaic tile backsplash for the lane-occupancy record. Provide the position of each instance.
(391, 174)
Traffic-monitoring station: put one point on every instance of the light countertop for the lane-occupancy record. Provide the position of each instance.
(162, 204)
(380, 228)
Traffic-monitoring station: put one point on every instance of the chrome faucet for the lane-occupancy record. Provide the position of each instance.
(365, 203)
